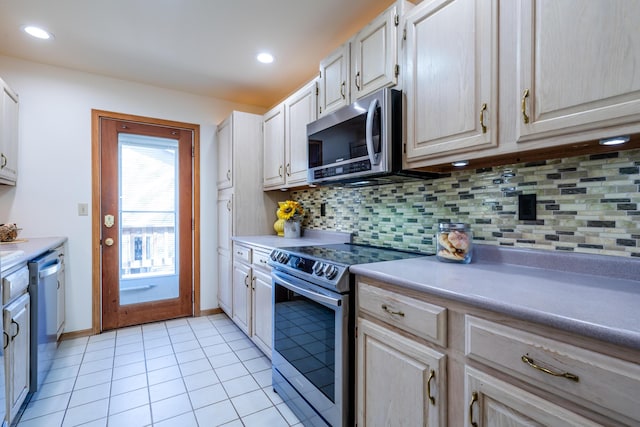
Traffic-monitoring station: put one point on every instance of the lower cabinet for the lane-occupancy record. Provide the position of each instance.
(17, 330)
(495, 403)
(252, 311)
(499, 371)
(60, 293)
(400, 381)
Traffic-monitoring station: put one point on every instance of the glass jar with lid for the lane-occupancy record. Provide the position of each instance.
(454, 242)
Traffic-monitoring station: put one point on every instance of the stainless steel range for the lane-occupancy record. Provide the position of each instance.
(314, 328)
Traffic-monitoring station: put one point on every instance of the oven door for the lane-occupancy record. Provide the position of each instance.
(312, 349)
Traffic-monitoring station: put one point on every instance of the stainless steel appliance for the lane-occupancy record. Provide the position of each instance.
(314, 328)
(43, 289)
(360, 144)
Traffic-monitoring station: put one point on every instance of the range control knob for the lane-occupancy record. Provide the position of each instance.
(330, 271)
(299, 263)
(283, 257)
(318, 268)
(274, 255)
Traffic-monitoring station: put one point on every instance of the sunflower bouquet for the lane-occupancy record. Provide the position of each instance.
(290, 210)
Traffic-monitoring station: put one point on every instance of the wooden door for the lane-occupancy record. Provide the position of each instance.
(146, 222)
(451, 80)
(300, 110)
(578, 66)
(400, 381)
(374, 55)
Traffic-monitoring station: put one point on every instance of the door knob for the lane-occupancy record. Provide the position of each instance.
(108, 241)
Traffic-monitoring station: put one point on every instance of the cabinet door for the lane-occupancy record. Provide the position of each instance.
(374, 55)
(300, 110)
(274, 141)
(495, 403)
(400, 382)
(578, 68)
(262, 311)
(225, 154)
(16, 318)
(334, 80)
(225, 207)
(242, 296)
(8, 136)
(451, 80)
(60, 300)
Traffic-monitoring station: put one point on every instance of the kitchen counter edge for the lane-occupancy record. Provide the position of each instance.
(32, 247)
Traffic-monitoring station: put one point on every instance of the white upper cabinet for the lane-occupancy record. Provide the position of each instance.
(274, 165)
(8, 135)
(334, 80)
(451, 77)
(579, 67)
(374, 55)
(300, 110)
(225, 154)
(285, 139)
(367, 62)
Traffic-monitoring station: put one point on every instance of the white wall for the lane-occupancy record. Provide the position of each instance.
(55, 163)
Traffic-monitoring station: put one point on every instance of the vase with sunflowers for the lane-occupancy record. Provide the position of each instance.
(290, 214)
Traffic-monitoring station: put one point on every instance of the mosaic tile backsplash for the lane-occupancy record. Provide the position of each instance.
(588, 204)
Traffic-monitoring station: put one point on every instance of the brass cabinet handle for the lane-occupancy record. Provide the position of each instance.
(474, 399)
(358, 80)
(229, 205)
(229, 174)
(525, 95)
(245, 281)
(483, 108)
(386, 308)
(280, 171)
(529, 361)
(432, 375)
(288, 169)
(4, 161)
(253, 283)
(6, 340)
(342, 91)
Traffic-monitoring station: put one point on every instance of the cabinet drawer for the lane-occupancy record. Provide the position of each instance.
(417, 317)
(260, 259)
(242, 254)
(598, 382)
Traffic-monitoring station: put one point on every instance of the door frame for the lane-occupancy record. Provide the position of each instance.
(96, 223)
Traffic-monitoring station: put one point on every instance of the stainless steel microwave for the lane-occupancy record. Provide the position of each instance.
(360, 144)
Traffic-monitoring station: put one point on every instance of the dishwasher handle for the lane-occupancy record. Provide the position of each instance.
(50, 270)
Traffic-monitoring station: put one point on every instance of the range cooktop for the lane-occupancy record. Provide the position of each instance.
(328, 265)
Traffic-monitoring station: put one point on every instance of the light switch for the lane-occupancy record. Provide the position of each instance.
(83, 209)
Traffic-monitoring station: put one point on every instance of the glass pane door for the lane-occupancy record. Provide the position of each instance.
(148, 190)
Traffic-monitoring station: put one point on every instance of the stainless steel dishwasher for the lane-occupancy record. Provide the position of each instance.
(43, 289)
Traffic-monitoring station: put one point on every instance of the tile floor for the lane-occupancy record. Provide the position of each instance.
(187, 372)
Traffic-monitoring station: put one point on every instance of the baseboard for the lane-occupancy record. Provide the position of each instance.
(76, 334)
(211, 311)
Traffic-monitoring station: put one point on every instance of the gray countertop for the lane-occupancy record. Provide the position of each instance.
(604, 305)
(309, 238)
(30, 248)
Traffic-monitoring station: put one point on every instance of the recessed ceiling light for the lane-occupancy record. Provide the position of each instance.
(37, 32)
(460, 163)
(617, 140)
(265, 58)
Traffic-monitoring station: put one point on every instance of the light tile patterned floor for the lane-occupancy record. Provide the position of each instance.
(187, 372)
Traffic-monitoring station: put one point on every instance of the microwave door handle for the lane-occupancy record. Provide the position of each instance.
(374, 157)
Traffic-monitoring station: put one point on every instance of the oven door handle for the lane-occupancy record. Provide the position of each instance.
(315, 296)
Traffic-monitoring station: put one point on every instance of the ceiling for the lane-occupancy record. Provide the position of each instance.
(206, 47)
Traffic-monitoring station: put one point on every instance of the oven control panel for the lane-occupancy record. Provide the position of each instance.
(313, 269)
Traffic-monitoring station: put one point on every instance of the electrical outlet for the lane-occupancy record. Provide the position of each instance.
(527, 207)
(323, 209)
(83, 209)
